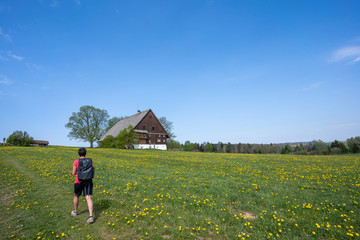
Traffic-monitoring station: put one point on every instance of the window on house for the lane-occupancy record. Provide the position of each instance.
(144, 127)
(153, 128)
(159, 140)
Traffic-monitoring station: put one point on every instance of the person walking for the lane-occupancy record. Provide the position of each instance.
(85, 187)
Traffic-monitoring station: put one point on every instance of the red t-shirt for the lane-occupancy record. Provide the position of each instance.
(76, 164)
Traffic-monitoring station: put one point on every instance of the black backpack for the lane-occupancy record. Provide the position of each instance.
(86, 170)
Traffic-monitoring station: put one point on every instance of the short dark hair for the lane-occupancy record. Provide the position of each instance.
(82, 152)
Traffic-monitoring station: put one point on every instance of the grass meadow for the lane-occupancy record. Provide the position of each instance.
(148, 194)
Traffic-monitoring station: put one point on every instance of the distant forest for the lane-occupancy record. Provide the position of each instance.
(316, 147)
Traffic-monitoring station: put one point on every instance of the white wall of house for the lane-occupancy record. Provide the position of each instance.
(153, 146)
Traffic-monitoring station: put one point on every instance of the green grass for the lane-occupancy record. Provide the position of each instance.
(179, 195)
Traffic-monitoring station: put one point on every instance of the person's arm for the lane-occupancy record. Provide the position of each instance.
(74, 171)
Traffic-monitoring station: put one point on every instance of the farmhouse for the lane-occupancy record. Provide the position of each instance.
(149, 130)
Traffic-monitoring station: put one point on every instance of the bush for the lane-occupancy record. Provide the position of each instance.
(19, 138)
(126, 138)
(335, 150)
(302, 152)
(173, 145)
(108, 142)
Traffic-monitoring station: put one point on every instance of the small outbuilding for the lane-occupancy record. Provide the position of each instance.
(39, 143)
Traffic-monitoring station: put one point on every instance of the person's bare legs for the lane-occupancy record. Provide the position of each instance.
(76, 202)
(90, 204)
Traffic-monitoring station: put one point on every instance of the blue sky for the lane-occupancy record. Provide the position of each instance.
(230, 71)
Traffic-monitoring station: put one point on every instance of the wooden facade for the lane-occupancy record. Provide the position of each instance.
(150, 130)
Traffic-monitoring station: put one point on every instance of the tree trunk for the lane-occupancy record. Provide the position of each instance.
(91, 144)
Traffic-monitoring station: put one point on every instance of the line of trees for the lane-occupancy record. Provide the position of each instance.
(319, 147)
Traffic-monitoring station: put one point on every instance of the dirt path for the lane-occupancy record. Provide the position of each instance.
(48, 206)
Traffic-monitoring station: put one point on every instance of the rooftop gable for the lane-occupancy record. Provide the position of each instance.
(124, 123)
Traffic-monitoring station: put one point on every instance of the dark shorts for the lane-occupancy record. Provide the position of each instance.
(83, 187)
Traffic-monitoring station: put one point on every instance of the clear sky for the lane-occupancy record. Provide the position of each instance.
(230, 71)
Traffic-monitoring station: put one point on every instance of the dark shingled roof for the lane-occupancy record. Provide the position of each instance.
(133, 120)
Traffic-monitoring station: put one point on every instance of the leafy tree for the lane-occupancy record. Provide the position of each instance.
(188, 146)
(286, 150)
(19, 138)
(126, 138)
(88, 124)
(229, 148)
(219, 147)
(354, 144)
(301, 146)
(196, 147)
(173, 145)
(265, 148)
(320, 147)
(209, 147)
(168, 126)
(202, 147)
(192, 147)
(340, 145)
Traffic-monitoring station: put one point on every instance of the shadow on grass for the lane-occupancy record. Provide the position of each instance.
(101, 206)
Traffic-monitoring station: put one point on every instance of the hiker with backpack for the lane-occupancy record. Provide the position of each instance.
(84, 171)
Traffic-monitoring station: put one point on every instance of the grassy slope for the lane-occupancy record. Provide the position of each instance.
(157, 195)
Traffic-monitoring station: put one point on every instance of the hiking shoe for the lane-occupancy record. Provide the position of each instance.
(74, 213)
(90, 219)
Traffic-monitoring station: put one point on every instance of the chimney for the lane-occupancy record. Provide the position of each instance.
(139, 111)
